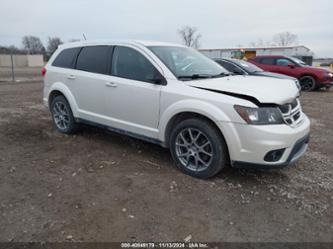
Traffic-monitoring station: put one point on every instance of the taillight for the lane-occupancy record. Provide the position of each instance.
(43, 71)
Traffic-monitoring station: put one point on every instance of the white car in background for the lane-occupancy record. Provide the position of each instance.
(176, 97)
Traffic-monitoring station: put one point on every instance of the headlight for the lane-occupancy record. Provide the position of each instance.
(260, 116)
(330, 75)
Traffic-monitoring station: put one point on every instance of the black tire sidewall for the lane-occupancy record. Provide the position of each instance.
(310, 89)
(220, 153)
(72, 125)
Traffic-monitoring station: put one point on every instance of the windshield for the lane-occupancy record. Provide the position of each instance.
(248, 66)
(298, 61)
(187, 63)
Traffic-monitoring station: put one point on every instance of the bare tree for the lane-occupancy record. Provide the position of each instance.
(33, 45)
(53, 44)
(285, 39)
(11, 49)
(190, 36)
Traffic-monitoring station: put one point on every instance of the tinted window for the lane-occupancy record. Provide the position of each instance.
(230, 67)
(66, 58)
(283, 62)
(268, 61)
(94, 59)
(247, 66)
(130, 64)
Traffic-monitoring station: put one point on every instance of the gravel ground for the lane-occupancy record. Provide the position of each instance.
(100, 186)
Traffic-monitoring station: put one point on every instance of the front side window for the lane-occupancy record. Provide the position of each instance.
(283, 62)
(94, 59)
(298, 61)
(248, 66)
(130, 64)
(66, 58)
(187, 63)
(230, 67)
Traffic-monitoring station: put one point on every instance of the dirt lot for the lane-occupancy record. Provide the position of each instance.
(100, 186)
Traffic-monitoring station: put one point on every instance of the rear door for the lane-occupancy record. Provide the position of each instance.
(87, 82)
(267, 64)
(133, 98)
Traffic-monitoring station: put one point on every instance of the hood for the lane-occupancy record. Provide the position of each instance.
(318, 69)
(274, 75)
(263, 89)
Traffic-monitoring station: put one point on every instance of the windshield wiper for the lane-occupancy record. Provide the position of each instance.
(222, 75)
(203, 76)
(195, 76)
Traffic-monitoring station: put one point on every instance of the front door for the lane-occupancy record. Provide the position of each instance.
(132, 97)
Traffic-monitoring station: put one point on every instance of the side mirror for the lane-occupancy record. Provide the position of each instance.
(291, 66)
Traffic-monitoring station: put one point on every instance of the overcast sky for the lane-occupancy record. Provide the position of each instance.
(222, 23)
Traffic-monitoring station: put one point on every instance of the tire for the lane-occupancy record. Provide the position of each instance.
(186, 152)
(62, 115)
(308, 83)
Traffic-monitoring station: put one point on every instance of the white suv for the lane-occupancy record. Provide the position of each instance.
(176, 97)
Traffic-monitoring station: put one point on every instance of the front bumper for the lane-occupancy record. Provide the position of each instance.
(298, 150)
(249, 144)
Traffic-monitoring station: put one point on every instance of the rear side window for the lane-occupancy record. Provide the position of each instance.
(66, 58)
(267, 61)
(131, 64)
(94, 59)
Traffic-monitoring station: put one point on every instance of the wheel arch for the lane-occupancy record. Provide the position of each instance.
(308, 74)
(58, 89)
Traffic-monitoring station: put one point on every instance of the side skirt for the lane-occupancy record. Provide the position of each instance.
(121, 131)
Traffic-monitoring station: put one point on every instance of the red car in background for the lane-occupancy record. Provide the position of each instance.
(310, 78)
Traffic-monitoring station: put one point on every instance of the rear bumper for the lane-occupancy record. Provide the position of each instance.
(297, 151)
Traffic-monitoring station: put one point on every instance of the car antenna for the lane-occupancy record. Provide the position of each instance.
(84, 37)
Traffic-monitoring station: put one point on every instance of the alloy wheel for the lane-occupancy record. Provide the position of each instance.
(61, 115)
(194, 149)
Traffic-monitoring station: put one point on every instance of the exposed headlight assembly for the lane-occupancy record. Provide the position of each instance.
(260, 116)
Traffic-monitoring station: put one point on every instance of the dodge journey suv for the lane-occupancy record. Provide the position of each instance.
(176, 97)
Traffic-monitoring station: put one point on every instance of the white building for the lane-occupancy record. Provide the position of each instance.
(300, 51)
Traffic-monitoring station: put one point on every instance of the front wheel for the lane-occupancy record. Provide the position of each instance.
(198, 148)
(308, 83)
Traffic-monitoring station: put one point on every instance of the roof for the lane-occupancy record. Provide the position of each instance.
(254, 48)
(114, 42)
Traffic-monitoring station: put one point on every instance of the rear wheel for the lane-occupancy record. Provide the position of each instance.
(198, 148)
(62, 115)
(308, 83)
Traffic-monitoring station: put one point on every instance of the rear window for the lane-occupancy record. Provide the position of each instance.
(66, 58)
(267, 61)
(94, 59)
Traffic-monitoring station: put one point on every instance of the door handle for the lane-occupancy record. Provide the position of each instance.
(111, 84)
(71, 77)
